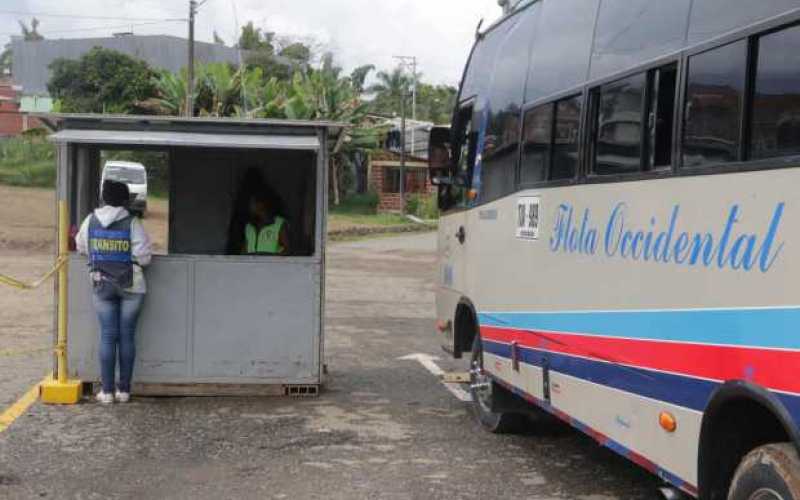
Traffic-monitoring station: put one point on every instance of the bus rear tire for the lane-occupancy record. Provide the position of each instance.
(770, 472)
(482, 387)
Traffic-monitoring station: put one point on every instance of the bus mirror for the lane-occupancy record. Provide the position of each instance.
(439, 156)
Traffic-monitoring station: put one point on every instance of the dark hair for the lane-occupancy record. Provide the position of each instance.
(115, 193)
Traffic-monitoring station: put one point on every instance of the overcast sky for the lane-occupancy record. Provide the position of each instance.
(438, 32)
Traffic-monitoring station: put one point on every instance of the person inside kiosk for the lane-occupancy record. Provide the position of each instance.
(259, 226)
(266, 232)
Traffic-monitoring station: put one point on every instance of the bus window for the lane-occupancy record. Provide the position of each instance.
(711, 18)
(538, 136)
(663, 85)
(631, 31)
(713, 108)
(776, 104)
(619, 126)
(567, 138)
(454, 194)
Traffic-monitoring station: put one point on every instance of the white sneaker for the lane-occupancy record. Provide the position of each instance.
(122, 397)
(105, 398)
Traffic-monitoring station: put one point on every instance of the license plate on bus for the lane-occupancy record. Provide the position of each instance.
(528, 218)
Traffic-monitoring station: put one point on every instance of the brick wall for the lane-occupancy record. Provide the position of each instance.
(390, 202)
(12, 122)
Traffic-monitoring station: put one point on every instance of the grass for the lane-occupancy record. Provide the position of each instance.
(28, 162)
(367, 219)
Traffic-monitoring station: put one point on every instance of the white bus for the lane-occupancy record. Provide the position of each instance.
(620, 190)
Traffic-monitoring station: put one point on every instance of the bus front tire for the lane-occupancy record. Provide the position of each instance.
(769, 472)
(482, 387)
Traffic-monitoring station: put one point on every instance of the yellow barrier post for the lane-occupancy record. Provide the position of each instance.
(59, 389)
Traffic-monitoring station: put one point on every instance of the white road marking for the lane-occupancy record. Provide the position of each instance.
(429, 362)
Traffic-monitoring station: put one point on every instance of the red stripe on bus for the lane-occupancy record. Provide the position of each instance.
(766, 367)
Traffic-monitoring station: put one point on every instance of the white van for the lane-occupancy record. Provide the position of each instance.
(135, 176)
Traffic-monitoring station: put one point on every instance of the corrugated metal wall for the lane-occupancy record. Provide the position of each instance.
(31, 59)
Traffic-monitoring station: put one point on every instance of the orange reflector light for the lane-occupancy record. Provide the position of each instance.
(472, 194)
(667, 421)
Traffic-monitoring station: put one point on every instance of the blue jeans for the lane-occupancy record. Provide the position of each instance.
(118, 312)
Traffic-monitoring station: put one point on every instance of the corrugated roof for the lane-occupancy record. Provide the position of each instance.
(184, 139)
(73, 120)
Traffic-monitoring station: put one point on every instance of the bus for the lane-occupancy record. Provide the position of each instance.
(619, 189)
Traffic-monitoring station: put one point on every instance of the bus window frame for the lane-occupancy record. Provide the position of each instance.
(751, 34)
(553, 100)
(456, 148)
(677, 169)
(646, 171)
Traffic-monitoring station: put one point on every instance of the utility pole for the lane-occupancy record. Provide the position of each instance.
(411, 61)
(193, 7)
(403, 152)
(190, 67)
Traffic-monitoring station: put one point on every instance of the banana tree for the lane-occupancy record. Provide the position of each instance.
(323, 94)
(171, 94)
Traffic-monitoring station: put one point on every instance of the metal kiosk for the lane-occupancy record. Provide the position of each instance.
(212, 323)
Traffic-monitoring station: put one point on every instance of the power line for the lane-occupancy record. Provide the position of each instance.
(95, 18)
(101, 28)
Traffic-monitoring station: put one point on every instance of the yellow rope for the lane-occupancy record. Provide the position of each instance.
(7, 280)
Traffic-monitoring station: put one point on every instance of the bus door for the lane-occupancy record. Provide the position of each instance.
(454, 198)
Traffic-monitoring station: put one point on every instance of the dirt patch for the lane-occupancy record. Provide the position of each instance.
(28, 220)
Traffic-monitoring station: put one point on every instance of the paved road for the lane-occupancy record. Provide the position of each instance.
(384, 428)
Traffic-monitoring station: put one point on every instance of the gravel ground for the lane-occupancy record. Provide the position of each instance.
(383, 427)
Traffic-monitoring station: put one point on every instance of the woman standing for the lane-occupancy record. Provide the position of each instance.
(118, 248)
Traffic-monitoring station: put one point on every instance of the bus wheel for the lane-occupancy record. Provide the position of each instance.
(482, 389)
(770, 472)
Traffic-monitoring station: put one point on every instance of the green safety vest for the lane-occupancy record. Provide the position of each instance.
(265, 241)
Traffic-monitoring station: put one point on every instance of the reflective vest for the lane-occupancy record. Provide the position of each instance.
(110, 251)
(265, 241)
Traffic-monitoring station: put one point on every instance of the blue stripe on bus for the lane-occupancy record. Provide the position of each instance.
(770, 328)
(604, 440)
(679, 390)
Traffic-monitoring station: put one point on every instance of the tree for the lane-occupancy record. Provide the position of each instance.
(252, 38)
(270, 66)
(218, 39)
(219, 90)
(101, 81)
(389, 90)
(260, 47)
(298, 52)
(322, 94)
(359, 76)
(435, 103)
(31, 34)
(170, 98)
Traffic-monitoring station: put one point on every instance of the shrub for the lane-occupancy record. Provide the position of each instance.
(366, 203)
(423, 206)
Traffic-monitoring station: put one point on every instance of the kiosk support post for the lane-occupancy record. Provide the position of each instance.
(59, 389)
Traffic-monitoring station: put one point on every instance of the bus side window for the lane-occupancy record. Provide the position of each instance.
(633, 122)
(566, 138)
(714, 95)
(662, 88)
(618, 141)
(537, 139)
(776, 99)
